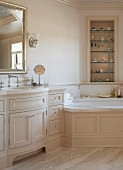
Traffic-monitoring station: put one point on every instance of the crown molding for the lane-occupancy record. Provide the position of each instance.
(87, 5)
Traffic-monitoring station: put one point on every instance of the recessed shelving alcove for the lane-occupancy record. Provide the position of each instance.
(102, 51)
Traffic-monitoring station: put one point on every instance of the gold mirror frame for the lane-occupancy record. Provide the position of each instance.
(24, 10)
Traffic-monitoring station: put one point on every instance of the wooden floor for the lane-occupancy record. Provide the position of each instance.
(74, 159)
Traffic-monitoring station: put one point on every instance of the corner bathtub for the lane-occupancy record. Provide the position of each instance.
(94, 122)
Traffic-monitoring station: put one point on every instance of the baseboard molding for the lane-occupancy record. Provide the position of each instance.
(94, 142)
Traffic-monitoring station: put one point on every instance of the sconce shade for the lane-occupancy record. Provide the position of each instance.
(34, 37)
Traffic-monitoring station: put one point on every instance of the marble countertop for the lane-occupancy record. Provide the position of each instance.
(27, 89)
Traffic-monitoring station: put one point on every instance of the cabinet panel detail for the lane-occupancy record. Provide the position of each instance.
(56, 126)
(84, 125)
(18, 104)
(55, 112)
(111, 124)
(1, 105)
(1, 123)
(20, 129)
(1, 142)
(39, 125)
(55, 98)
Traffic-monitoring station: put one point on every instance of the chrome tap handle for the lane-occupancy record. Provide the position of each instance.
(9, 80)
(17, 82)
(1, 84)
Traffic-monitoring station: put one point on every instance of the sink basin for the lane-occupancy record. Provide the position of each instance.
(16, 88)
(21, 88)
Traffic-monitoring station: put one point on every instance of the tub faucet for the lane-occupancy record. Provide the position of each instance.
(9, 83)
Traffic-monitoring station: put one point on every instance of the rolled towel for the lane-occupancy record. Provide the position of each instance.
(68, 101)
(66, 95)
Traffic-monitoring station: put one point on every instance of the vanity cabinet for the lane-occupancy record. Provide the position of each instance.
(56, 118)
(55, 113)
(2, 125)
(30, 121)
(27, 119)
(27, 127)
(27, 123)
(102, 50)
(3, 133)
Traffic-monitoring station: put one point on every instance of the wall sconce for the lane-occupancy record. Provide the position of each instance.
(34, 37)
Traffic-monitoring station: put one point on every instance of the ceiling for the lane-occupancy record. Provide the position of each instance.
(10, 21)
(97, 1)
(87, 4)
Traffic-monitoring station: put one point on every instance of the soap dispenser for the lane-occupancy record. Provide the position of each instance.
(113, 93)
(119, 92)
(32, 80)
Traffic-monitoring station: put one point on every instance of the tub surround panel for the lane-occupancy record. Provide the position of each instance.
(84, 125)
(90, 129)
(111, 124)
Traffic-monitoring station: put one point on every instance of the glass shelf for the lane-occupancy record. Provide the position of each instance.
(102, 81)
(103, 51)
(98, 31)
(105, 41)
(99, 62)
(103, 73)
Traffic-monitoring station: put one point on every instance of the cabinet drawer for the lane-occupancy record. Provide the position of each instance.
(1, 105)
(1, 123)
(25, 103)
(55, 112)
(1, 142)
(55, 98)
(56, 126)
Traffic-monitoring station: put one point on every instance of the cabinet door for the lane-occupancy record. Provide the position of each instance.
(20, 129)
(39, 125)
(2, 105)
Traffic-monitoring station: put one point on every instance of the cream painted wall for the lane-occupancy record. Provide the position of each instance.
(58, 47)
(62, 45)
(89, 89)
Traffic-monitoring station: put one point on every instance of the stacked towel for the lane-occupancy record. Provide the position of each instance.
(67, 99)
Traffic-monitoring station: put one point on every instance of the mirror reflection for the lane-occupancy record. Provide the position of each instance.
(12, 38)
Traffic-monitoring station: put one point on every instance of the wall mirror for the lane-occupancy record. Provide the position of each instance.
(12, 38)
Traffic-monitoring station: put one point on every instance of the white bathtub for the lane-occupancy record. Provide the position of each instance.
(94, 122)
(95, 104)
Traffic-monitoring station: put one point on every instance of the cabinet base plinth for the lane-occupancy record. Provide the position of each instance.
(18, 156)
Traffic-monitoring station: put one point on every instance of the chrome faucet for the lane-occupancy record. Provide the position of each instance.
(9, 83)
(1, 85)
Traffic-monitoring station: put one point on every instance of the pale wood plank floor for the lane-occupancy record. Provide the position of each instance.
(74, 159)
